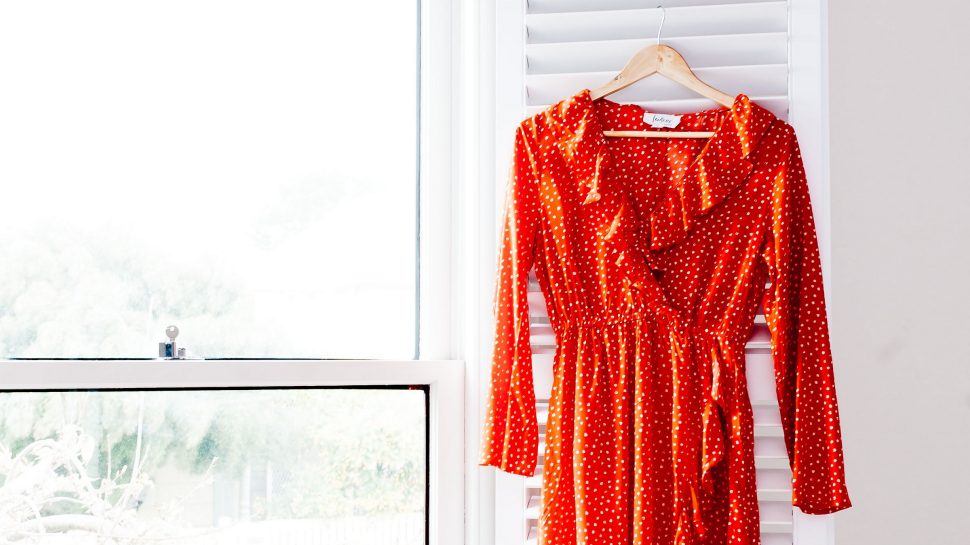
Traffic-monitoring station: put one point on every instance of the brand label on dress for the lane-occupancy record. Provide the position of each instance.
(661, 120)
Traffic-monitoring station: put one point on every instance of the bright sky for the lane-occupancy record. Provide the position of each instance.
(237, 133)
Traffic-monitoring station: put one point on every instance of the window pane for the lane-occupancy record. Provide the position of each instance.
(244, 170)
(208, 467)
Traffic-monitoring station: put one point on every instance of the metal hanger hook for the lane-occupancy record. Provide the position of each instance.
(663, 17)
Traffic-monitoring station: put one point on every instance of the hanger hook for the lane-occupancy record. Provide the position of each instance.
(663, 17)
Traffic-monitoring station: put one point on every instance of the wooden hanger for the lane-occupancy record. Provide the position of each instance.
(664, 60)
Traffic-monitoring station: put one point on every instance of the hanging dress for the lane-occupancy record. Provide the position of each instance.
(653, 256)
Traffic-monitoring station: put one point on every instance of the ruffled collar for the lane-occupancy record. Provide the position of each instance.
(721, 165)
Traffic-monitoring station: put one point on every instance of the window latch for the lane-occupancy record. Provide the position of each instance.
(167, 349)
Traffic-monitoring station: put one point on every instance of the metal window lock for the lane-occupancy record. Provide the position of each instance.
(167, 349)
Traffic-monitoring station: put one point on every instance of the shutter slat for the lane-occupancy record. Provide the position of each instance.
(698, 51)
(623, 24)
(771, 462)
(767, 430)
(776, 527)
(765, 79)
(775, 539)
(776, 511)
(774, 494)
(555, 6)
(774, 479)
(777, 105)
(542, 339)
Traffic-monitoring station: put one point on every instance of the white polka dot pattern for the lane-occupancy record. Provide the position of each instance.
(653, 255)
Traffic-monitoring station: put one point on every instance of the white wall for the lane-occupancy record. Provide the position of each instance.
(900, 150)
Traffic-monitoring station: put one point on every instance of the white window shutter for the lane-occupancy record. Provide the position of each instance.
(736, 47)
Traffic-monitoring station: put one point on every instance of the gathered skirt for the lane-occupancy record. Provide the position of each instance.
(633, 437)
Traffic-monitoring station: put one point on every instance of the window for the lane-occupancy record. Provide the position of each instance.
(231, 451)
(289, 466)
(237, 169)
(252, 173)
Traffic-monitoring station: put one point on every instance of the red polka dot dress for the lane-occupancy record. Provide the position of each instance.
(654, 256)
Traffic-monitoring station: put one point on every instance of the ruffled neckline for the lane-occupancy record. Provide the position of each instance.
(722, 164)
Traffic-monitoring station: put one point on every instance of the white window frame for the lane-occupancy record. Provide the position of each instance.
(495, 85)
(437, 344)
(443, 378)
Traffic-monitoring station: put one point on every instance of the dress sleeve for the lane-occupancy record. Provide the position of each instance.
(511, 434)
(795, 312)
